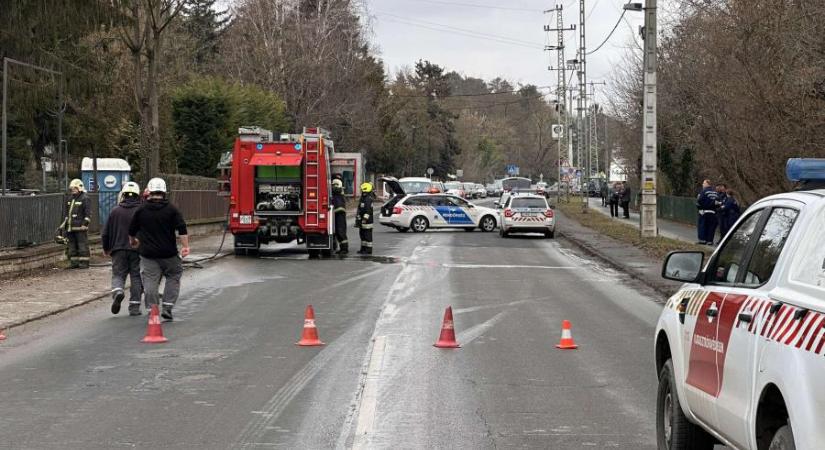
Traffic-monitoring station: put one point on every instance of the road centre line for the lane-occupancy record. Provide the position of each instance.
(505, 266)
(492, 306)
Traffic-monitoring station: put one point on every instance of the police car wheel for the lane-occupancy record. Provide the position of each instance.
(488, 224)
(550, 234)
(503, 233)
(419, 224)
(673, 429)
(783, 439)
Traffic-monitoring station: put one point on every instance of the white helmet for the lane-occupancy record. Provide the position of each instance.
(156, 185)
(76, 183)
(336, 183)
(130, 188)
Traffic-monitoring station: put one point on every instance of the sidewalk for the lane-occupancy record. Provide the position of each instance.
(667, 228)
(51, 291)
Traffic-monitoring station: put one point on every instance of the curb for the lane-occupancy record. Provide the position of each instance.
(661, 289)
(85, 301)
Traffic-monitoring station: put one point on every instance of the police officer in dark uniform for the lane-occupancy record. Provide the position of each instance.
(76, 225)
(339, 211)
(707, 206)
(364, 219)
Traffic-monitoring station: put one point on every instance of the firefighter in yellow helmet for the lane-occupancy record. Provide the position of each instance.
(364, 219)
(339, 212)
(76, 225)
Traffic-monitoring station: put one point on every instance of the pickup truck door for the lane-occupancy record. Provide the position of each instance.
(709, 336)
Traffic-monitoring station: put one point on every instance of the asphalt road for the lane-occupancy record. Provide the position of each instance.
(231, 376)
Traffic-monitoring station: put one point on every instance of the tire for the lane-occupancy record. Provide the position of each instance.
(783, 439)
(487, 224)
(503, 233)
(673, 430)
(419, 224)
(314, 254)
(402, 229)
(550, 234)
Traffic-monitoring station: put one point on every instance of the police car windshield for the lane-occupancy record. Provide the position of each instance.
(529, 203)
(415, 187)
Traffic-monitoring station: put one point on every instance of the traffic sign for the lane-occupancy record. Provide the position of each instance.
(557, 131)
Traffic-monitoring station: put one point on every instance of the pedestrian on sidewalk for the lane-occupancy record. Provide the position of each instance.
(730, 212)
(76, 222)
(615, 194)
(625, 200)
(125, 259)
(152, 232)
(364, 219)
(339, 211)
(603, 190)
(707, 221)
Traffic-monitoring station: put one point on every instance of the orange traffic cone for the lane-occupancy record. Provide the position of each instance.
(309, 338)
(447, 337)
(566, 342)
(154, 333)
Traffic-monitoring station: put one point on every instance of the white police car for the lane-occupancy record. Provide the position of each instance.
(740, 349)
(527, 213)
(419, 212)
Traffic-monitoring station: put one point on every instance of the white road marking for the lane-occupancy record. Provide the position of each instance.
(476, 331)
(369, 399)
(504, 266)
(492, 306)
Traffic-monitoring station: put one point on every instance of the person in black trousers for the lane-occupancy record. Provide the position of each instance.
(625, 200)
(615, 193)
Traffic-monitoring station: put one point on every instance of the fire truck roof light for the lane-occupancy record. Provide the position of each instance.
(805, 169)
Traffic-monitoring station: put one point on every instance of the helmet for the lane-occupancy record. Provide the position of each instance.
(130, 188)
(76, 183)
(366, 187)
(336, 183)
(156, 185)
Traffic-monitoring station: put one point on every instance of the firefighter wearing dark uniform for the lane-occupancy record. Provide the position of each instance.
(76, 225)
(364, 219)
(339, 212)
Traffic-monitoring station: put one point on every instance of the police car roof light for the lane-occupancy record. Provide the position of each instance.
(805, 169)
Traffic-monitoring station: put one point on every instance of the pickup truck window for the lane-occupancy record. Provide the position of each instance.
(769, 246)
(726, 265)
(810, 267)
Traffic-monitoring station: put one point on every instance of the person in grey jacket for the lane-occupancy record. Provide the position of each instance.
(125, 259)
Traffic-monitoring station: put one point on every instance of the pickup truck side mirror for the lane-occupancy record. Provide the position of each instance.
(683, 266)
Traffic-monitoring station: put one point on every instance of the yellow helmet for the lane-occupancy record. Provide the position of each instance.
(366, 187)
(76, 183)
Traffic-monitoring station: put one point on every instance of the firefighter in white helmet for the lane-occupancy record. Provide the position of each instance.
(76, 222)
(152, 232)
(125, 259)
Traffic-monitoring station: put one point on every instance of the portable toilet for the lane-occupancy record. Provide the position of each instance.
(112, 174)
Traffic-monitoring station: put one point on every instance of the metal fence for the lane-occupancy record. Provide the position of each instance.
(26, 220)
(678, 209)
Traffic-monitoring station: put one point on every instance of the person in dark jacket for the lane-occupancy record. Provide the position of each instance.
(76, 225)
(364, 219)
(730, 212)
(624, 200)
(615, 193)
(125, 260)
(604, 191)
(339, 211)
(152, 232)
(706, 204)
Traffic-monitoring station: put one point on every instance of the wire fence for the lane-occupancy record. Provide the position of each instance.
(677, 209)
(33, 220)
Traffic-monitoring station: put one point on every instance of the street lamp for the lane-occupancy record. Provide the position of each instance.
(648, 225)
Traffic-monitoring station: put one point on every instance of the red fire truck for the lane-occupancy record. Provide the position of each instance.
(280, 190)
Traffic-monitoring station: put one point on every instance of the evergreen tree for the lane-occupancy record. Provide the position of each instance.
(205, 24)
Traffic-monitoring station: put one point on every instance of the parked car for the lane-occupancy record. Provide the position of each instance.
(454, 188)
(740, 348)
(420, 212)
(527, 213)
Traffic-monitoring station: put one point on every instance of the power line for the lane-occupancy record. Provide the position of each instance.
(609, 35)
(472, 5)
(461, 31)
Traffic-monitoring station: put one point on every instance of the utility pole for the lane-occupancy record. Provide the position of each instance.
(561, 86)
(593, 135)
(648, 225)
(582, 103)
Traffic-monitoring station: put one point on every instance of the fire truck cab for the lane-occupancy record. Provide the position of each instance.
(280, 190)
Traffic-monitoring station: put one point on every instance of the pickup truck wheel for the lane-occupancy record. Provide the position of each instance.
(783, 439)
(673, 430)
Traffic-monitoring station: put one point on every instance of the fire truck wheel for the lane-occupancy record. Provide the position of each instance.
(783, 439)
(314, 254)
(673, 429)
(420, 224)
(326, 253)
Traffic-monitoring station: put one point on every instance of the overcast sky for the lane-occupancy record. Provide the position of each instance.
(490, 38)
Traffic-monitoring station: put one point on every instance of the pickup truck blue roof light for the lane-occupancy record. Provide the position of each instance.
(805, 169)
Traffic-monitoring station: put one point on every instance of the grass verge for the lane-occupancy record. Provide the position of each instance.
(657, 247)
